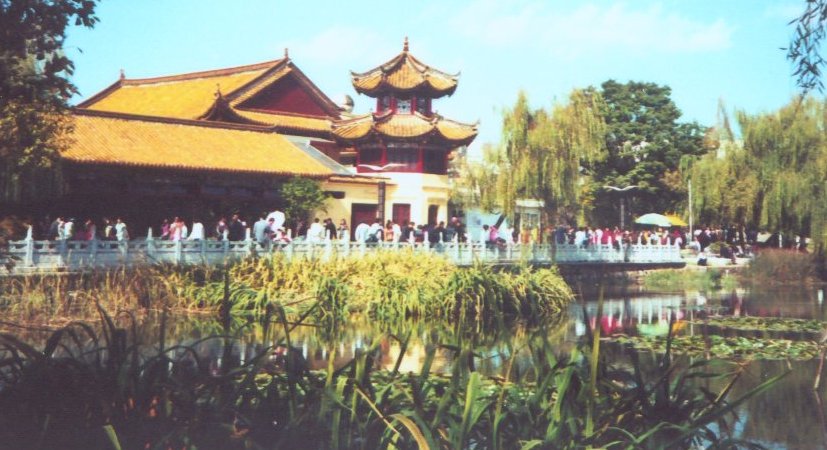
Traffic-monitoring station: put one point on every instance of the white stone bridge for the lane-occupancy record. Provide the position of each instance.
(32, 255)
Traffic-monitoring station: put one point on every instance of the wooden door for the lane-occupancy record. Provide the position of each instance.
(361, 212)
(433, 212)
(401, 213)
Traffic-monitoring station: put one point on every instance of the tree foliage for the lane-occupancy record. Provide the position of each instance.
(34, 89)
(775, 179)
(301, 196)
(541, 155)
(804, 51)
(646, 147)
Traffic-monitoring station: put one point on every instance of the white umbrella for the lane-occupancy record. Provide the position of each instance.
(653, 219)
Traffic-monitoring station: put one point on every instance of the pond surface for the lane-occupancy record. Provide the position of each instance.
(790, 415)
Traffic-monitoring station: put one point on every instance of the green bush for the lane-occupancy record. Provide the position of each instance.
(781, 266)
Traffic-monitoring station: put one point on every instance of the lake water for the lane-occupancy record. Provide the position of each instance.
(791, 415)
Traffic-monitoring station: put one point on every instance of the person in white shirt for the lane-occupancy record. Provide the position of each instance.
(361, 232)
(397, 232)
(197, 231)
(316, 232)
(580, 237)
(69, 229)
(121, 232)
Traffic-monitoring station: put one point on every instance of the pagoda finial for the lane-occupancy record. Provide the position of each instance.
(286, 53)
(123, 74)
(405, 45)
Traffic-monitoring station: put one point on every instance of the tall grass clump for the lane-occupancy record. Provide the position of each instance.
(65, 297)
(104, 389)
(781, 266)
(393, 286)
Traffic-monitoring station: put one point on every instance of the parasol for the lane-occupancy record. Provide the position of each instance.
(653, 219)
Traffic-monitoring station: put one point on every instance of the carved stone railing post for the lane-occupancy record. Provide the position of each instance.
(123, 246)
(150, 246)
(28, 258)
(249, 244)
(62, 252)
(179, 251)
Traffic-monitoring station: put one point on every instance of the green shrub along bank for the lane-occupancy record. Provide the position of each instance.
(387, 286)
(104, 390)
(772, 266)
(684, 279)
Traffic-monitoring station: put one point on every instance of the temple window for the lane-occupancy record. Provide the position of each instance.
(384, 103)
(370, 155)
(403, 106)
(423, 105)
(435, 162)
(406, 158)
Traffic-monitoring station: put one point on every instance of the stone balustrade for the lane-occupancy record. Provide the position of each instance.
(34, 255)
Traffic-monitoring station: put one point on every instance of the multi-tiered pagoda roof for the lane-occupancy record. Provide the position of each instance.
(404, 87)
(405, 74)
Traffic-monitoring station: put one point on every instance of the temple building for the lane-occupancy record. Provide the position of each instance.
(404, 139)
(204, 144)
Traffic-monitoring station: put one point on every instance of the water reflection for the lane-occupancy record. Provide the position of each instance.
(789, 415)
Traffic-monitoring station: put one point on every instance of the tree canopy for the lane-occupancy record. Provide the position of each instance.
(540, 155)
(646, 146)
(34, 88)
(301, 196)
(775, 178)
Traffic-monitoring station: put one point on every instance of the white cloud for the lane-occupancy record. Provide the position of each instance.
(343, 46)
(590, 29)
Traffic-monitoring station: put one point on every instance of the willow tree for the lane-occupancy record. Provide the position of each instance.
(542, 152)
(775, 178)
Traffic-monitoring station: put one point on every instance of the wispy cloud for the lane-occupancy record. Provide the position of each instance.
(343, 45)
(590, 29)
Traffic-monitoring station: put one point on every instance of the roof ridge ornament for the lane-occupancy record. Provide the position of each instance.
(405, 45)
(286, 53)
(218, 94)
(123, 74)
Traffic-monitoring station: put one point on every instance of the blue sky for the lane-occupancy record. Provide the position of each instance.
(704, 50)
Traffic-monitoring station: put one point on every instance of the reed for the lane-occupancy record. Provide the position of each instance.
(105, 389)
(392, 286)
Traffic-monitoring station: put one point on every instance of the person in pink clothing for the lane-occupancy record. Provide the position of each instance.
(176, 229)
(606, 237)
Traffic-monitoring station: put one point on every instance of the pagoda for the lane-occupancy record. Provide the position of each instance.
(404, 139)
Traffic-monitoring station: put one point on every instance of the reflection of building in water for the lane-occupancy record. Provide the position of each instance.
(645, 315)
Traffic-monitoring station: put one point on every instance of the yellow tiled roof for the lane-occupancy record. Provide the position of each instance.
(405, 126)
(405, 73)
(109, 139)
(183, 96)
(286, 121)
(253, 90)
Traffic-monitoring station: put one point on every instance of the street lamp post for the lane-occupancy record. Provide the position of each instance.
(622, 201)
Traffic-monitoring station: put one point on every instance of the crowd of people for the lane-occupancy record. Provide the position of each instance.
(272, 228)
(69, 228)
